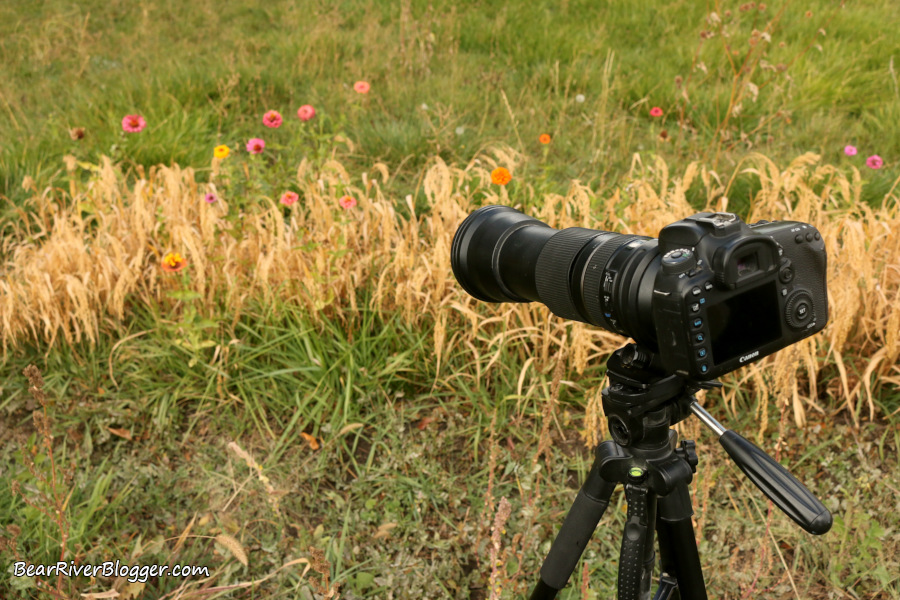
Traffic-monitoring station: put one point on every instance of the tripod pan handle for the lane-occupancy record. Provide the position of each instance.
(777, 483)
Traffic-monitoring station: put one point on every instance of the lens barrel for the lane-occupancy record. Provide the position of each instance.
(500, 254)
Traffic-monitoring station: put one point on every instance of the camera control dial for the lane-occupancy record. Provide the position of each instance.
(680, 260)
(799, 309)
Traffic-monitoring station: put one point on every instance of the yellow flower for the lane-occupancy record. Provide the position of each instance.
(221, 151)
(501, 176)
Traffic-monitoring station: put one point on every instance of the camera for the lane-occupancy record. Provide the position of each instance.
(710, 295)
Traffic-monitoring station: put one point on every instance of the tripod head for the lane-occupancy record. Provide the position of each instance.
(643, 401)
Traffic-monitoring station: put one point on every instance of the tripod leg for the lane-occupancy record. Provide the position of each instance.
(577, 529)
(636, 557)
(677, 548)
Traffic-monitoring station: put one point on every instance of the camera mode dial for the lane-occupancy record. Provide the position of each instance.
(680, 260)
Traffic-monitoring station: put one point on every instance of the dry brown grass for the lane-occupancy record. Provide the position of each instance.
(72, 278)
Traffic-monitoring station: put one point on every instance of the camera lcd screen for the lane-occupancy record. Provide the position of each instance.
(744, 322)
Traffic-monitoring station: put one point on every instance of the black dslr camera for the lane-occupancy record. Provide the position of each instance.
(712, 294)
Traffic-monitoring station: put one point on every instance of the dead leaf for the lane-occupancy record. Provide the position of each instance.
(133, 589)
(122, 433)
(384, 530)
(310, 440)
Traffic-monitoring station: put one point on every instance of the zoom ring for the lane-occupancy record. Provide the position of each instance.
(593, 278)
(551, 281)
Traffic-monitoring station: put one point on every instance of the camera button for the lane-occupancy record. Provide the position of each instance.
(701, 353)
(698, 323)
(798, 238)
(695, 307)
(786, 275)
(696, 291)
(699, 337)
(704, 368)
(817, 236)
(708, 286)
(809, 237)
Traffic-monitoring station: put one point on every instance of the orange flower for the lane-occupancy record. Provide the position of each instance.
(501, 176)
(362, 87)
(173, 262)
(545, 138)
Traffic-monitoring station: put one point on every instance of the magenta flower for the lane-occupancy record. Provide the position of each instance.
(850, 150)
(255, 146)
(347, 202)
(362, 87)
(656, 112)
(210, 198)
(289, 198)
(306, 112)
(874, 162)
(272, 119)
(133, 123)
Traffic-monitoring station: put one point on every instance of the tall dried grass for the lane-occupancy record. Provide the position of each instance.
(72, 277)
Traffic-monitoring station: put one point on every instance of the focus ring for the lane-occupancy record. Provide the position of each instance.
(593, 278)
(551, 275)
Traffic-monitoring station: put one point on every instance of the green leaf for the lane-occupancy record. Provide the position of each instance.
(364, 580)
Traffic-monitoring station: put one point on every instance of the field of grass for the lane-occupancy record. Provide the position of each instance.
(311, 406)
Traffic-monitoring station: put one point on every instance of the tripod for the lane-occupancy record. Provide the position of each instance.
(641, 403)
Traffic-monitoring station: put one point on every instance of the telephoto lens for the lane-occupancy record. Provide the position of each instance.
(499, 254)
(711, 295)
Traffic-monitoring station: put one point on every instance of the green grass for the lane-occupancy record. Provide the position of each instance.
(396, 496)
(204, 73)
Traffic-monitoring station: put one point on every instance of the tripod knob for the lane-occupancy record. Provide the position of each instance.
(688, 452)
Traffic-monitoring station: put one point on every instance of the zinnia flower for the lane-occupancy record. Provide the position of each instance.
(306, 112)
(545, 138)
(133, 123)
(501, 176)
(255, 146)
(221, 151)
(210, 198)
(656, 112)
(850, 150)
(362, 87)
(874, 162)
(289, 198)
(173, 262)
(579, 98)
(347, 202)
(272, 119)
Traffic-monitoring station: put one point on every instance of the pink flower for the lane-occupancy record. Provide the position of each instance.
(255, 146)
(347, 202)
(850, 150)
(289, 198)
(306, 112)
(272, 119)
(210, 198)
(362, 87)
(133, 123)
(656, 112)
(874, 162)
